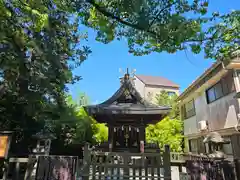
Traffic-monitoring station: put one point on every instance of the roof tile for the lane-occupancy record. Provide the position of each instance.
(157, 81)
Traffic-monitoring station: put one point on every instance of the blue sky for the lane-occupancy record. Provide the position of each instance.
(100, 72)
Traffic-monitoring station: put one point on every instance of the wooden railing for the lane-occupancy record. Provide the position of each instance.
(177, 157)
(15, 164)
(182, 157)
(126, 165)
(106, 160)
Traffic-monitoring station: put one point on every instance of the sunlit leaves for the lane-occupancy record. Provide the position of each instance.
(196, 48)
(75, 124)
(169, 130)
(142, 21)
(101, 133)
(164, 99)
(223, 39)
(157, 26)
(40, 46)
(41, 19)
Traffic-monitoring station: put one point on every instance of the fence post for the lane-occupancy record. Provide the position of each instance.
(237, 168)
(86, 161)
(5, 169)
(167, 163)
(32, 160)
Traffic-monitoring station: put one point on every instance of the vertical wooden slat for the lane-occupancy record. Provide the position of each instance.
(235, 145)
(159, 162)
(6, 169)
(30, 167)
(100, 167)
(112, 169)
(17, 168)
(167, 163)
(43, 166)
(86, 162)
(146, 163)
(118, 168)
(94, 162)
(152, 167)
(134, 163)
(105, 172)
(141, 167)
(158, 173)
(237, 168)
(118, 173)
(126, 169)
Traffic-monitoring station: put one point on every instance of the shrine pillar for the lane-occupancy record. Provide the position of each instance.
(110, 137)
(141, 138)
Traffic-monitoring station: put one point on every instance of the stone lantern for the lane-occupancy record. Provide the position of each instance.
(44, 139)
(215, 143)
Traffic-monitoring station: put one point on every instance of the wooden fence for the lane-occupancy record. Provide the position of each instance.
(120, 166)
(98, 165)
(41, 168)
(124, 165)
(202, 167)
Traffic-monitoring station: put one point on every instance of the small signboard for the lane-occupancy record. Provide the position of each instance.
(4, 145)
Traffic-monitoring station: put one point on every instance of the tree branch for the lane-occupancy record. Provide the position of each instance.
(108, 14)
(163, 9)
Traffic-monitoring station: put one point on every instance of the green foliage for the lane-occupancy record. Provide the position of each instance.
(40, 46)
(72, 126)
(157, 26)
(169, 130)
(223, 39)
(148, 25)
(164, 99)
(101, 133)
(76, 127)
(39, 49)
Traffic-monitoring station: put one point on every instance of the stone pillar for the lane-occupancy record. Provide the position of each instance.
(141, 137)
(142, 133)
(110, 137)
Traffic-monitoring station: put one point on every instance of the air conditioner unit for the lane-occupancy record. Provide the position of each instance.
(202, 125)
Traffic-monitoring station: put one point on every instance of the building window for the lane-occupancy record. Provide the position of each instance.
(211, 95)
(227, 148)
(220, 89)
(170, 93)
(150, 96)
(193, 145)
(189, 109)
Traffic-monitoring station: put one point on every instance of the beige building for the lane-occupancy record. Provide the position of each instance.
(209, 104)
(150, 86)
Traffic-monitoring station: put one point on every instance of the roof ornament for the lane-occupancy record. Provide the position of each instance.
(127, 75)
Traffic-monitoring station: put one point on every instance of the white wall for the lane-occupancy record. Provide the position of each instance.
(190, 125)
(140, 86)
(220, 114)
(154, 90)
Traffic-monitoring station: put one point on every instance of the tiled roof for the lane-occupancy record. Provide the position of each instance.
(156, 81)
